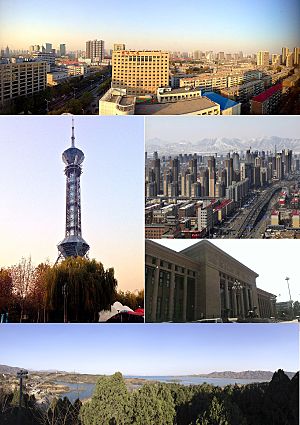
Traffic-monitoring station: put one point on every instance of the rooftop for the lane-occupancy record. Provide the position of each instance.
(221, 100)
(267, 93)
(177, 108)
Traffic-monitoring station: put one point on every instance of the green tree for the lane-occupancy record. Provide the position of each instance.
(110, 403)
(153, 404)
(88, 289)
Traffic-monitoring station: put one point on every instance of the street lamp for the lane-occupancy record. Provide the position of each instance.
(47, 107)
(237, 287)
(291, 302)
(21, 374)
(74, 90)
(65, 293)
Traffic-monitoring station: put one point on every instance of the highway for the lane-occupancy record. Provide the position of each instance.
(244, 224)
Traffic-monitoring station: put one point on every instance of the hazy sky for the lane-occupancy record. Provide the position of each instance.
(32, 187)
(273, 260)
(232, 25)
(192, 129)
(153, 349)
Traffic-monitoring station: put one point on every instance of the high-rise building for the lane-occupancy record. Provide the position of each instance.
(296, 55)
(284, 53)
(95, 50)
(119, 46)
(276, 59)
(73, 245)
(48, 47)
(289, 62)
(262, 58)
(61, 50)
(211, 176)
(21, 79)
(140, 72)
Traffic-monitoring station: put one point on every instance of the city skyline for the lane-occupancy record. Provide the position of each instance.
(234, 25)
(254, 254)
(33, 217)
(60, 347)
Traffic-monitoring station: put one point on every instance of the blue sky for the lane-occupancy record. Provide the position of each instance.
(151, 349)
(32, 180)
(192, 129)
(271, 259)
(231, 25)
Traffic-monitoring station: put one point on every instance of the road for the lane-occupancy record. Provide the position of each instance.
(243, 223)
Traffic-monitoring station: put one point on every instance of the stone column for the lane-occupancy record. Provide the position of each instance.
(155, 290)
(251, 300)
(171, 293)
(242, 303)
(247, 300)
(226, 294)
(234, 303)
(184, 296)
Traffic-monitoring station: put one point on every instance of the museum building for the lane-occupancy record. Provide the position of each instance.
(201, 281)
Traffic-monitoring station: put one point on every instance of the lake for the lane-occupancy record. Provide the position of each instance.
(83, 391)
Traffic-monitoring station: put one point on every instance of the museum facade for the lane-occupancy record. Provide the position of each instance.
(202, 281)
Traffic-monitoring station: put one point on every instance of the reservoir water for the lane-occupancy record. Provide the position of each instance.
(83, 391)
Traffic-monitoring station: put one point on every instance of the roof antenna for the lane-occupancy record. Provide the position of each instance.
(73, 137)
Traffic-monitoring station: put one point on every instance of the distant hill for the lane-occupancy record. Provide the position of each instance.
(9, 369)
(246, 374)
(221, 145)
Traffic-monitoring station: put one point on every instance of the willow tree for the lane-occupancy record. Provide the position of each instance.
(77, 289)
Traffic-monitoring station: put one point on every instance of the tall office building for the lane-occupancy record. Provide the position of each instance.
(211, 176)
(61, 50)
(229, 170)
(95, 50)
(262, 58)
(140, 72)
(48, 47)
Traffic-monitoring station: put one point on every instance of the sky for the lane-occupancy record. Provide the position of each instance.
(32, 187)
(272, 259)
(232, 26)
(172, 129)
(153, 349)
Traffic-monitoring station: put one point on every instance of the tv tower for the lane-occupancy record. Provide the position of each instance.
(73, 244)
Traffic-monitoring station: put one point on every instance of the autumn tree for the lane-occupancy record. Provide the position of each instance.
(6, 290)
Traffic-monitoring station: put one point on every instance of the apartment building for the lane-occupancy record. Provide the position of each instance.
(21, 79)
(244, 92)
(140, 72)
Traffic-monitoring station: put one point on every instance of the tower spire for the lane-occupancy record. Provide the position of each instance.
(73, 136)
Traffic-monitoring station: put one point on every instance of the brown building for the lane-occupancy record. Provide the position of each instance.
(266, 102)
(201, 281)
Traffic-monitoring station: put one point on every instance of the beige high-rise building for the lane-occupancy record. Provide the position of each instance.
(119, 46)
(275, 59)
(296, 55)
(289, 62)
(285, 52)
(140, 72)
(21, 79)
(262, 58)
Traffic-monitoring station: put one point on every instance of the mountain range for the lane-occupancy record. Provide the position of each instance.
(221, 145)
(248, 374)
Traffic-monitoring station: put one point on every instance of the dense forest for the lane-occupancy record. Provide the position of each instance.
(271, 403)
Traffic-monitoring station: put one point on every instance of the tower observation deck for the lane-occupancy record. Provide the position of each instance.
(73, 244)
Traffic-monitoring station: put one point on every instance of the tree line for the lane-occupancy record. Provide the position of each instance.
(273, 403)
(75, 290)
